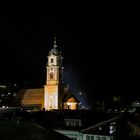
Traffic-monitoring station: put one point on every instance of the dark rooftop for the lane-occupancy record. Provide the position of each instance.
(87, 117)
(15, 130)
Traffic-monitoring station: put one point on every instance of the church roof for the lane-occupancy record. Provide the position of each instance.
(71, 99)
(26, 97)
(53, 51)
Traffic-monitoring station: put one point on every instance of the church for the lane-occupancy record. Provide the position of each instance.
(54, 94)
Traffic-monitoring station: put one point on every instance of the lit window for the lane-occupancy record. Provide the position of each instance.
(100, 128)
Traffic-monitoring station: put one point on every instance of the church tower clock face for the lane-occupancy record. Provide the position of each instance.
(54, 79)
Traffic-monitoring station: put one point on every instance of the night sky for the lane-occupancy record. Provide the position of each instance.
(95, 67)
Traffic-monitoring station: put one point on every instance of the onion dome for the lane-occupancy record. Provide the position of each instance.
(54, 50)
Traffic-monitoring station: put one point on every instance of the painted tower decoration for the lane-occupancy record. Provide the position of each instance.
(54, 72)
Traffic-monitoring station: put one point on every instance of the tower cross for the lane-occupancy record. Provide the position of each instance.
(54, 45)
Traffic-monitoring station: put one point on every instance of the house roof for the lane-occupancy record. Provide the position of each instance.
(101, 127)
(10, 130)
(89, 119)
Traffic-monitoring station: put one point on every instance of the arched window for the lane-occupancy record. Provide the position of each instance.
(51, 102)
(51, 75)
(52, 61)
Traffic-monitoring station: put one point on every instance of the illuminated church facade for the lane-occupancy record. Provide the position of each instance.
(55, 94)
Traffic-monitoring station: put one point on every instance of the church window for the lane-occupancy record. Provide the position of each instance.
(51, 75)
(50, 102)
(52, 60)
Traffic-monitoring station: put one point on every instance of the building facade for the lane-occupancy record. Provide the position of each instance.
(104, 130)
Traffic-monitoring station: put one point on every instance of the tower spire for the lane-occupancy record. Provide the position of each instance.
(54, 44)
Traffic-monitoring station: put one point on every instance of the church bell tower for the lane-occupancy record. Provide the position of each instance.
(54, 73)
